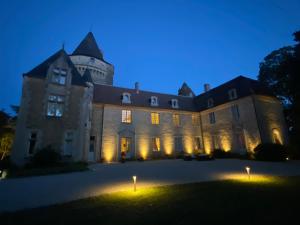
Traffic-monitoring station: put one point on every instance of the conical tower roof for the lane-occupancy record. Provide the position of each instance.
(88, 47)
(185, 90)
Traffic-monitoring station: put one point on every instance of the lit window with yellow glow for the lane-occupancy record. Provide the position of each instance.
(155, 118)
(176, 120)
(195, 120)
(156, 144)
(126, 116)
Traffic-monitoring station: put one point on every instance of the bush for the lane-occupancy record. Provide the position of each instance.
(5, 163)
(46, 157)
(221, 154)
(270, 152)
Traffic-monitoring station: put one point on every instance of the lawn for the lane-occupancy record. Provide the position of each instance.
(261, 200)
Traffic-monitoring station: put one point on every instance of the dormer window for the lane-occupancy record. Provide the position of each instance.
(232, 94)
(126, 98)
(154, 101)
(59, 76)
(174, 103)
(210, 103)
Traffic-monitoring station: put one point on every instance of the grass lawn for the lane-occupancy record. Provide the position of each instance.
(258, 201)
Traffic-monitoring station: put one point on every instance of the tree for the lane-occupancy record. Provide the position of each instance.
(280, 71)
(5, 144)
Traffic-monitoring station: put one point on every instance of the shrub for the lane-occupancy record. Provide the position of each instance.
(5, 163)
(221, 154)
(46, 157)
(270, 152)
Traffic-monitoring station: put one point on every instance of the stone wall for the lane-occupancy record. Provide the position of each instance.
(50, 130)
(271, 119)
(228, 133)
(142, 131)
(101, 72)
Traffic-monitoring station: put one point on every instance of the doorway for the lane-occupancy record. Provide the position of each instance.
(126, 147)
(91, 156)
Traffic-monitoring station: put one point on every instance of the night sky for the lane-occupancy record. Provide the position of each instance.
(160, 44)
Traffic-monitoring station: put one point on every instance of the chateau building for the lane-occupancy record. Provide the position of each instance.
(70, 103)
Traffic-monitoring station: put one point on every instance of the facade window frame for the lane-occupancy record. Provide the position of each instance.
(55, 105)
(59, 76)
(126, 116)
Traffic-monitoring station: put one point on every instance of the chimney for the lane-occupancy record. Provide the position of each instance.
(206, 87)
(137, 87)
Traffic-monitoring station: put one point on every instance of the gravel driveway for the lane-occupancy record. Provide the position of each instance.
(30, 192)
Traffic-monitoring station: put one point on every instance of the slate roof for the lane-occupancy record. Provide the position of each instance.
(244, 87)
(41, 70)
(113, 95)
(88, 47)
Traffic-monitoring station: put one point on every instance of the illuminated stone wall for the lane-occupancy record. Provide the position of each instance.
(50, 131)
(227, 131)
(144, 131)
(271, 118)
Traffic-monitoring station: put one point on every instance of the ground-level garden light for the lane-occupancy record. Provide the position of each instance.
(248, 171)
(134, 183)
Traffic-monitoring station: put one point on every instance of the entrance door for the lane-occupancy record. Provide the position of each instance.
(126, 147)
(92, 149)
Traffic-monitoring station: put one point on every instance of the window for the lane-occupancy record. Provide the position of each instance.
(210, 102)
(92, 144)
(68, 145)
(32, 142)
(126, 116)
(126, 98)
(235, 112)
(195, 120)
(155, 118)
(232, 94)
(59, 76)
(154, 101)
(55, 105)
(197, 143)
(178, 144)
(156, 144)
(176, 120)
(174, 103)
(212, 118)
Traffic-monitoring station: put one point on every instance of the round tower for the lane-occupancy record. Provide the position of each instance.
(88, 56)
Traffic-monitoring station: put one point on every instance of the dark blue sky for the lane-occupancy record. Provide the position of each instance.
(158, 43)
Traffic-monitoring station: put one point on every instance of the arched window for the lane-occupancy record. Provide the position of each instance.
(154, 101)
(276, 136)
(126, 98)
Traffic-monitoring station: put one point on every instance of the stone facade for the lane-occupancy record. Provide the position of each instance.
(70, 103)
